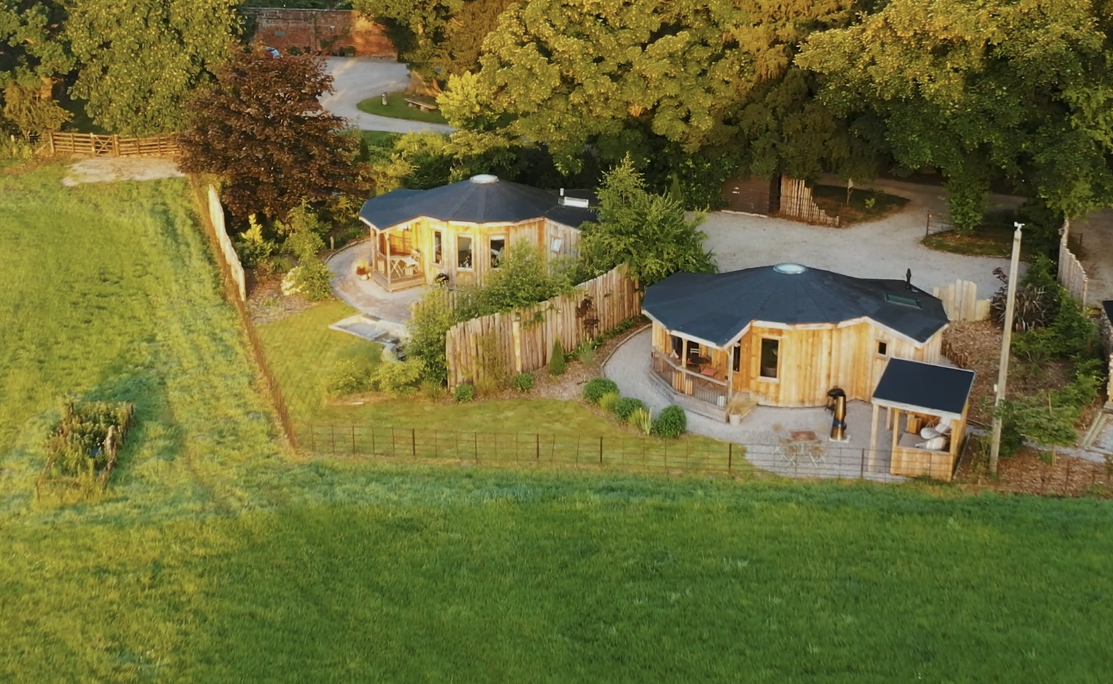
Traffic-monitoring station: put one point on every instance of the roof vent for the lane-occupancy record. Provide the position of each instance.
(790, 269)
(485, 178)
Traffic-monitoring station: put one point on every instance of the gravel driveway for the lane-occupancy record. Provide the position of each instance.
(880, 249)
(355, 79)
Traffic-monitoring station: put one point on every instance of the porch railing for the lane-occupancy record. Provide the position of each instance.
(700, 387)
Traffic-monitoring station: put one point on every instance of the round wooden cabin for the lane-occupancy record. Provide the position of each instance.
(457, 232)
(786, 334)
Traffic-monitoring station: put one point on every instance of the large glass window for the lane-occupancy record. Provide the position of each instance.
(464, 252)
(736, 358)
(438, 247)
(498, 244)
(769, 352)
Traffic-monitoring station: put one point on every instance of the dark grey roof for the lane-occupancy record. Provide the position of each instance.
(924, 385)
(570, 216)
(482, 199)
(716, 307)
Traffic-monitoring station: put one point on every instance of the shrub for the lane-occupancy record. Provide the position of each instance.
(433, 391)
(671, 423)
(524, 382)
(311, 280)
(641, 419)
(597, 387)
(349, 376)
(464, 393)
(626, 407)
(428, 328)
(399, 378)
(608, 401)
(487, 386)
(557, 362)
(585, 354)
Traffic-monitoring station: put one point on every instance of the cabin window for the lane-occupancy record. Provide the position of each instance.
(736, 358)
(882, 348)
(498, 244)
(556, 244)
(464, 252)
(438, 247)
(769, 352)
(902, 300)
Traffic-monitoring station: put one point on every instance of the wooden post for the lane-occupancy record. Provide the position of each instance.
(873, 436)
(896, 437)
(386, 265)
(115, 145)
(1006, 341)
(50, 138)
(516, 331)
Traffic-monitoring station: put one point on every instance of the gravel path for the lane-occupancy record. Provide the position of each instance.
(762, 430)
(879, 249)
(356, 79)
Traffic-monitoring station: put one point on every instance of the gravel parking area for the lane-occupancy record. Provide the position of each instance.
(355, 79)
(885, 248)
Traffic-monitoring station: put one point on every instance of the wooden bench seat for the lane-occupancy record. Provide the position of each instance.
(423, 106)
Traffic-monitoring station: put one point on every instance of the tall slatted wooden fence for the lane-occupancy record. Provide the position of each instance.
(110, 145)
(501, 345)
(1071, 274)
(797, 202)
(960, 301)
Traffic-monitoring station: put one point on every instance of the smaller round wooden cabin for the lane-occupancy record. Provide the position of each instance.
(457, 232)
(786, 334)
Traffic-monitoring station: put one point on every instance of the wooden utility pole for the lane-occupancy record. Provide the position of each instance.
(1006, 342)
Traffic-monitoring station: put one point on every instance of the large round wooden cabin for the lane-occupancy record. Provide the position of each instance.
(457, 232)
(787, 334)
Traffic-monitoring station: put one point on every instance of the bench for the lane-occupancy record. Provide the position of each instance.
(423, 106)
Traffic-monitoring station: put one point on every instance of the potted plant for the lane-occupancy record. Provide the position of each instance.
(363, 270)
(738, 406)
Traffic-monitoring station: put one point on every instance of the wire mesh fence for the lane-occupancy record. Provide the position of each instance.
(809, 458)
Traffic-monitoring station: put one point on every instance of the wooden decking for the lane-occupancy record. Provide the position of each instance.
(692, 391)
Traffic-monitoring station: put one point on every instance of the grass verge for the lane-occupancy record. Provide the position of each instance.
(396, 108)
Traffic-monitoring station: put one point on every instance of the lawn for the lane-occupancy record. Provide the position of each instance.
(109, 292)
(356, 573)
(396, 108)
(215, 558)
(993, 237)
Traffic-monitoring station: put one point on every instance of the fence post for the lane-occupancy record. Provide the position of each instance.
(333, 432)
(730, 457)
(372, 440)
(537, 454)
(413, 442)
(927, 229)
(392, 448)
(600, 451)
(353, 439)
(475, 445)
(313, 437)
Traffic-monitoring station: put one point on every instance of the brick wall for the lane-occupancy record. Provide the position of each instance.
(321, 31)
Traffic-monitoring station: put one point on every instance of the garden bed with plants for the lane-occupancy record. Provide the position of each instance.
(82, 449)
(858, 206)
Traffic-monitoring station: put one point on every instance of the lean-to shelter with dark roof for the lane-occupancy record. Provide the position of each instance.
(458, 232)
(785, 335)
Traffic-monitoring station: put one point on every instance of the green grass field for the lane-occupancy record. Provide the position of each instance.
(216, 557)
(396, 108)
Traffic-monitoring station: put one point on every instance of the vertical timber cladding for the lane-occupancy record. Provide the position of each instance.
(753, 195)
(489, 346)
(324, 31)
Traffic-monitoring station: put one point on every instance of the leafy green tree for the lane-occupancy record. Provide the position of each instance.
(1021, 90)
(262, 130)
(522, 279)
(33, 56)
(647, 232)
(139, 61)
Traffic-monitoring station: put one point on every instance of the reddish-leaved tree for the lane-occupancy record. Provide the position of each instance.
(262, 130)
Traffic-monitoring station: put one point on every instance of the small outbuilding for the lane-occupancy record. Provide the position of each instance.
(457, 233)
(785, 335)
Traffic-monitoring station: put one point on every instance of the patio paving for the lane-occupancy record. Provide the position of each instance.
(365, 295)
(765, 428)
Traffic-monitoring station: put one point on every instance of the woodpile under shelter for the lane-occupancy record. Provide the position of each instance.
(457, 233)
(784, 335)
(926, 409)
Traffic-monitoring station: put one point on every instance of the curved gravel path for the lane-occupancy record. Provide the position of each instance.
(885, 248)
(364, 295)
(355, 79)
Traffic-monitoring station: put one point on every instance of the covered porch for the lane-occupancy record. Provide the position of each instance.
(396, 262)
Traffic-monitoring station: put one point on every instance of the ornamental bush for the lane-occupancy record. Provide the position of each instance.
(597, 387)
(609, 400)
(557, 362)
(626, 406)
(464, 393)
(524, 382)
(671, 423)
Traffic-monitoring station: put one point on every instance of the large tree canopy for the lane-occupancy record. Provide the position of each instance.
(1019, 88)
(615, 74)
(139, 61)
(263, 131)
(31, 48)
